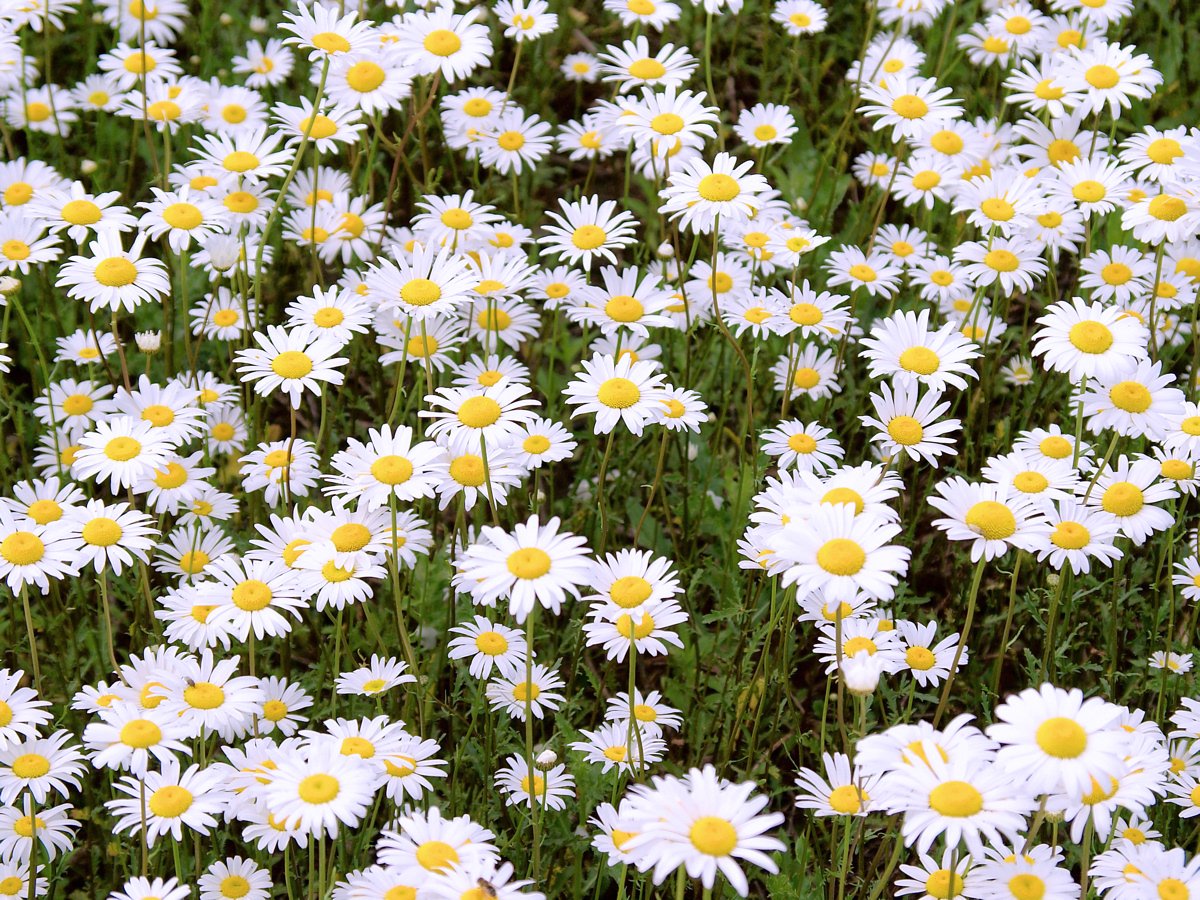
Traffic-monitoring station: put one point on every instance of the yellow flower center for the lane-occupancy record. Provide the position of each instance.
(909, 106)
(81, 212)
(1090, 337)
(944, 885)
(30, 765)
(905, 430)
(844, 495)
(1102, 77)
(392, 469)
(801, 443)
(997, 209)
(44, 511)
(1061, 738)
(919, 658)
(252, 595)
(443, 42)
(420, 292)
(955, 799)
(1131, 396)
(292, 364)
(766, 132)
(647, 69)
(624, 308)
(1166, 208)
(116, 271)
(841, 556)
(588, 237)
(1123, 499)
(319, 789)
(618, 393)
(468, 470)
(479, 412)
(365, 76)
(1030, 482)
(993, 520)
(204, 695)
(529, 563)
(862, 272)
(140, 734)
(718, 188)
(920, 360)
(626, 628)
(713, 836)
(101, 532)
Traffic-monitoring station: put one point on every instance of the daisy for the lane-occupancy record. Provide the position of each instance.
(249, 155)
(282, 707)
(705, 824)
(1039, 478)
(379, 675)
(467, 476)
(1086, 340)
(182, 218)
(127, 736)
(624, 304)
(104, 535)
(643, 629)
(1169, 215)
(1109, 75)
(123, 451)
(532, 689)
(908, 422)
(993, 517)
(1014, 263)
(254, 595)
(290, 362)
(947, 877)
(968, 802)
(1153, 153)
(79, 212)
(808, 373)
(632, 65)
(233, 877)
(1053, 740)
(40, 766)
(808, 313)
(1094, 185)
(491, 415)
(874, 271)
(843, 554)
(376, 81)
(389, 466)
(264, 65)
(587, 230)
(535, 565)
(909, 106)
(409, 766)
(543, 441)
(173, 800)
(1006, 200)
(765, 124)
(1129, 490)
(929, 663)
(650, 713)
(324, 32)
(141, 888)
(488, 644)
(428, 283)
(616, 391)
(902, 346)
(1136, 400)
(800, 17)
(924, 179)
(551, 786)
(443, 41)
(515, 142)
(85, 348)
(113, 277)
(840, 792)
(321, 789)
(326, 129)
(698, 194)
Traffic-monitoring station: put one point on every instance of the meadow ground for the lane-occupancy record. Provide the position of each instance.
(622, 449)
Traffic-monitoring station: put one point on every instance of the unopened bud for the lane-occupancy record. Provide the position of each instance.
(665, 250)
(546, 760)
(88, 166)
(148, 341)
(9, 285)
